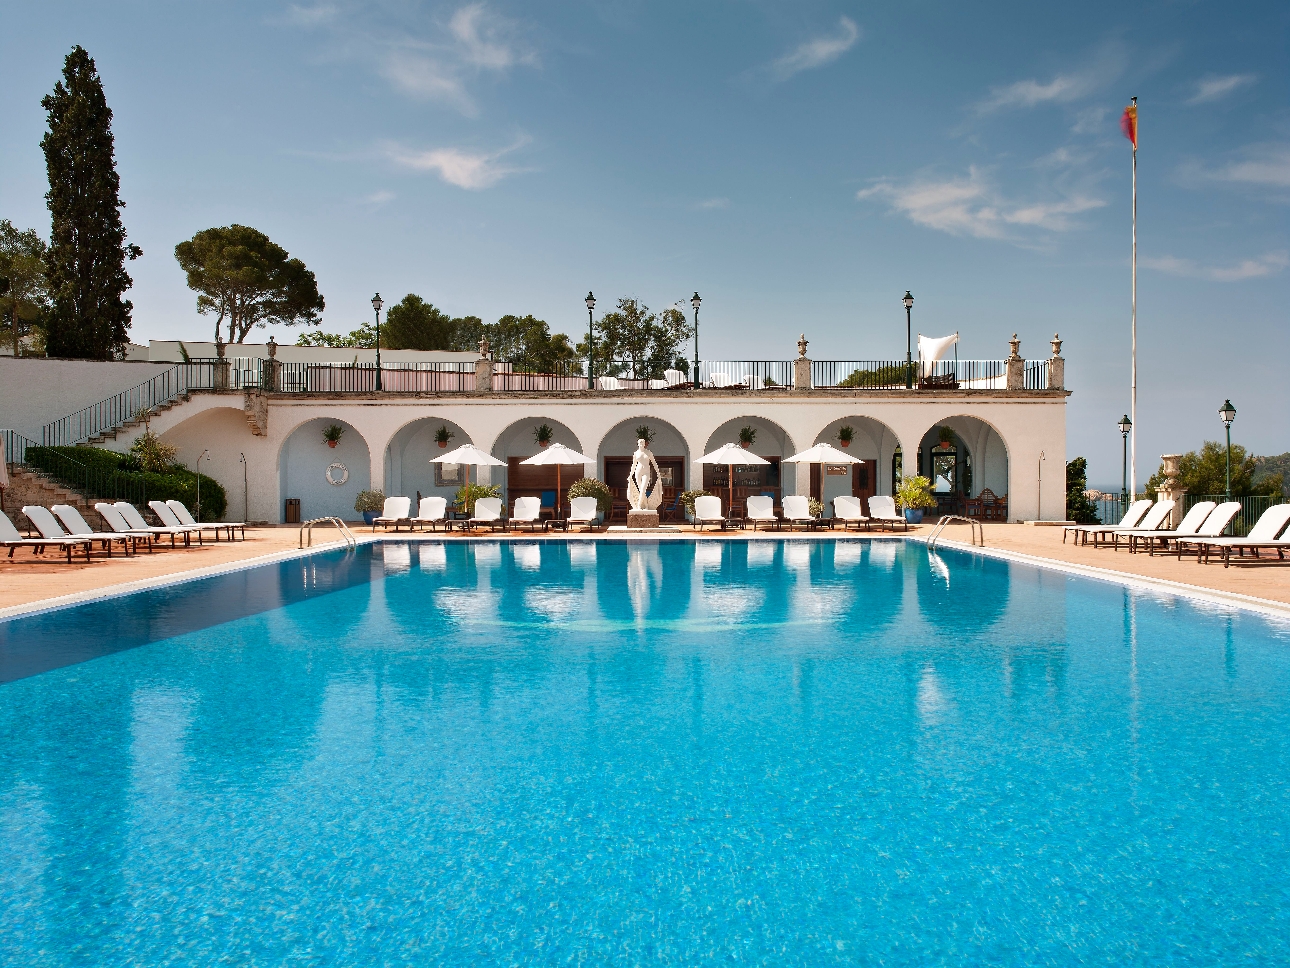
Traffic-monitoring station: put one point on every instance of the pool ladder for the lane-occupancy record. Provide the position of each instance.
(346, 535)
(940, 526)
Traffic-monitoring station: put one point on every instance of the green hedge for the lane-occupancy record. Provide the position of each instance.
(99, 473)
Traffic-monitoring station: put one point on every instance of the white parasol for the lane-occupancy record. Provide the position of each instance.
(730, 455)
(823, 454)
(559, 455)
(933, 349)
(468, 454)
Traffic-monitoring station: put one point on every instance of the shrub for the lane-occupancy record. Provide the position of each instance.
(815, 507)
(915, 492)
(883, 376)
(1079, 505)
(468, 494)
(369, 501)
(687, 499)
(590, 487)
(106, 475)
(152, 454)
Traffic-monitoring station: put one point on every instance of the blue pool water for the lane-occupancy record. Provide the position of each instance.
(756, 753)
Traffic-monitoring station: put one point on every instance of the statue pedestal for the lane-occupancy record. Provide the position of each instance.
(642, 519)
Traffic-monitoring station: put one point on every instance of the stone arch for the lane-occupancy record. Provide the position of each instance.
(669, 442)
(772, 441)
(303, 460)
(516, 441)
(988, 463)
(407, 459)
(873, 441)
(222, 433)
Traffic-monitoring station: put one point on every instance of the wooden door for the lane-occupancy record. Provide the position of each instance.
(864, 481)
(817, 482)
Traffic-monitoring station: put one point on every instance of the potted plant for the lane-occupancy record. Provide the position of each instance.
(543, 433)
(468, 494)
(914, 494)
(946, 437)
(687, 502)
(443, 435)
(845, 435)
(370, 504)
(816, 507)
(333, 434)
(747, 437)
(644, 433)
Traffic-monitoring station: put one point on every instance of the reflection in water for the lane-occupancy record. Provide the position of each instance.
(487, 555)
(528, 557)
(797, 555)
(934, 703)
(707, 554)
(433, 557)
(582, 554)
(644, 579)
(761, 554)
(847, 554)
(882, 554)
(939, 568)
(398, 558)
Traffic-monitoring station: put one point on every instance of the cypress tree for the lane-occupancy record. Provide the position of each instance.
(86, 261)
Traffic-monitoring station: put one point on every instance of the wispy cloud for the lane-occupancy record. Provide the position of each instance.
(311, 16)
(973, 206)
(817, 51)
(422, 76)
(472, 170)
(379, 198)
(1212, 88)
(1104, 64)
(483, 40)
(712, 203)
(1267, 164)
(1269, 264)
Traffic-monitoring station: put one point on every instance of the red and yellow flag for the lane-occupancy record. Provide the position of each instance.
(1129, 124)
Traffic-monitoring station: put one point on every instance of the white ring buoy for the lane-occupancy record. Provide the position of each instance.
(344, 474)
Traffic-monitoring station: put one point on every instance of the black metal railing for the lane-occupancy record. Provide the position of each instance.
(1252, 507)
(88, 477)
(15, 447)
(519, 376)
(117, 409)
(862, 374)
(752, 374)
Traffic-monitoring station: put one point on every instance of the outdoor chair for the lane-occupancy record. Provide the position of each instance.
(674, 378)
(719, 380)
(1215, 524)
(1264, 534)
(882, 510)
(1152, 523)
(11, 539)
(488, 510)
(395, 512)
(1131, 518)
(168, 518)
(527, 510)
(849, 511)
(797, 510)
(609, 383)
(45, 522)
(78, 527)
(117, 522)
(432, 512)
(583, 511)
(674, 510)
(1187, 527)
(135, 520)
(759, 509)
(707, 510)
(186, 518)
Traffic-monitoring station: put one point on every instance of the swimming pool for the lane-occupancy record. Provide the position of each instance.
(762, 752)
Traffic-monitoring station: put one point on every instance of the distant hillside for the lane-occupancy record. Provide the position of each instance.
(1279, 464)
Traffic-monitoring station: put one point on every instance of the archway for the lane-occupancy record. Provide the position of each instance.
(218, 437)
(519, 441)
(408, 470)
(964, 457)
(872, 442)
(325, 479)
(613, 458)
(770, 442)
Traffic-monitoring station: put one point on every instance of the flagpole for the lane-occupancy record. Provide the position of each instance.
(1133, 400)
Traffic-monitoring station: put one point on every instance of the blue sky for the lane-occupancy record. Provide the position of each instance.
(800, 164)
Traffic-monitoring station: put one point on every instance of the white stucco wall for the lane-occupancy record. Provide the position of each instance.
(35, 391)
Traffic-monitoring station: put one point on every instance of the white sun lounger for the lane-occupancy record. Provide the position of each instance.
(186, 518)
(135, 520)
(488, 510)
(675, 378)
(1187, 527)
(1264, 534)
(168, 518)
(78, 527)
(882, 510)
(849, 511)
(1215, 524)
(528, 510)
(707, 510)
(117, 522)
(1152, 523)
(584, 511)
(395, 512)
(1130, 520)
(797, 510)
(11, 539)
(432, 512)
(760, 509)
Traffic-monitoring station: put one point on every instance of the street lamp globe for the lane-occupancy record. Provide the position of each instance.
(591, 302)
(377, 302)
(908, 300)
(695, 301)
(1125, 425)
(1227, 413)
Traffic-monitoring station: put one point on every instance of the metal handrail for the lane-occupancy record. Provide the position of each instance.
(346, 535)
(946, 519)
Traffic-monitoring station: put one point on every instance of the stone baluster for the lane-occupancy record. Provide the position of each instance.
(484, 369)
(1016, 366)
(802, 366)
(1057, 366)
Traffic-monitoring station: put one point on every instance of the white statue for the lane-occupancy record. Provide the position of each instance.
(639, 478)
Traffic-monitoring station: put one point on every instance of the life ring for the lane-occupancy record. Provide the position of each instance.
(344, 474)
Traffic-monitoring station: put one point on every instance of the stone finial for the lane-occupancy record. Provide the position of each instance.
(484, 348)
(802, 341)
(1170, 462)
(1016, 348)
(1057, 345)
(272, 347)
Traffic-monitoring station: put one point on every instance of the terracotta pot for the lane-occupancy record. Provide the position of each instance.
(845, 443)
(442, 443)
(543, 443)
(744, 444)
(332, 443)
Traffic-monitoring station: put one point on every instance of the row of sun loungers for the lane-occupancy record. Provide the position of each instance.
(65, 528)
(1200, 531)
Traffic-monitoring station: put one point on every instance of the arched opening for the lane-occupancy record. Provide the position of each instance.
(770, 442)
(324, 479)
(408, 470)
(223, 435)
(614, 457)
(967, 462)
(870, 441)
(520, 441)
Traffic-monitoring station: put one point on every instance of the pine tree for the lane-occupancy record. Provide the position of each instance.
(86, 261)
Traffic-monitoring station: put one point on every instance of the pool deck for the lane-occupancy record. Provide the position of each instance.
(26, 579)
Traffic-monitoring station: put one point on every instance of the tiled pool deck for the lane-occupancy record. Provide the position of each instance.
(26, 580)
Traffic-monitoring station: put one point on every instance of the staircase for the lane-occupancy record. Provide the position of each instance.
(29, 486)
(110, 433)
(104, 420)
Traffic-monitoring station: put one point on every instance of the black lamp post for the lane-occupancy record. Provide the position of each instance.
(377, 303)
(909, 356)
(695, 303)
(1228, 413)
(1125, 426)
(591, 342)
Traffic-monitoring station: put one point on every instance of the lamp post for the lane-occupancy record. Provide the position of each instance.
(377, 303)
(909, 356)
(591, 342)
(199, 482)
(1125, 426)
(695, 303)
(1228, 413)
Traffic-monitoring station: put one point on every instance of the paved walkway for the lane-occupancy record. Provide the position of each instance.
(25, 578)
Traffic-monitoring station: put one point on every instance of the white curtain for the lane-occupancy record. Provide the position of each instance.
(932, 349)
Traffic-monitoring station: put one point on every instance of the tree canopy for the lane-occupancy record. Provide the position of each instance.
(85, 265)
(247, 280)
(25, 300)
(362, 338)
(1204, 472)
(414, 324)
(632, 336)
(1078, 507)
